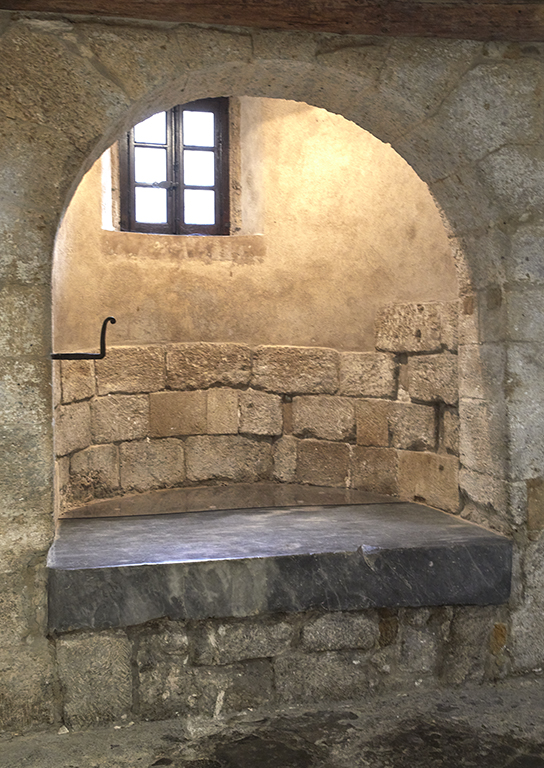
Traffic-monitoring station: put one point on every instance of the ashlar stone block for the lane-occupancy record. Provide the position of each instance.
(329, 676)
(131, 370)
(412, 427)
(433, 378)
(227, 643)
(417, 327)
(77, 380)
(324, 417)
(260, 413)
(152, 464)
(94, 472)
(367, 374)
(336, 631)
(295, 370)
(372, 418)
(375, 469)
(320, 462)
(429, 478)
(177, 413)
(119, 417)
(222, 411)
(285, 459)
(72, 428)
(228, 457)
(201, 365)
(449, 433)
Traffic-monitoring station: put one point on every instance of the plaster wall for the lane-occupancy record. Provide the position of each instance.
(334, 224)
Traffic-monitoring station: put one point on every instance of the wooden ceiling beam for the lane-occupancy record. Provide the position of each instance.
(521, 21)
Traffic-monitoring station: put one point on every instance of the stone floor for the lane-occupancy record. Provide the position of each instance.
(488, 726)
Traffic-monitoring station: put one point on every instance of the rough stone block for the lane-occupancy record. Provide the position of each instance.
(337, 631)
(202, 365)
(468, 648)
(285, 459)
(528, 615)
(94, 472)
(482, 436)
(28, 685)
(323, 416)
(535, 504)
(227, 643)
(373, 422)
(152, 464)
(163, 654)
(367, 374)
(526, 436)
(485, 490)
(429, 478)
(330, 676)
(412, 427)
(516, 176)
(77, 380)
(322, 463)
(482, 369)
(295, 370)
(72, 428)
(417, 327)
(96, 675)
(25, 391)
(449, 432)
(119, 417)
(222, 411)
(527, 247)
(235, 458)
(131, 370)
(177, 413)
(260, 413)
(419, 649)
(375, 469)
(433, 378)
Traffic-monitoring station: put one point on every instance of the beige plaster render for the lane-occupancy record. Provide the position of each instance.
(345, 226)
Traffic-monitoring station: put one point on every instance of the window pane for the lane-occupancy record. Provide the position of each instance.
(199, 206)
(198, 168)
(152, 130)
(151, 206)
(149, 165)
(198, 129)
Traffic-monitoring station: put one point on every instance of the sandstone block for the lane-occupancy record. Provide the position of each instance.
(25, 391)
(525, 313)
(77, 380)
(419, 649)
(94, 472)
(72, 428)
(429, 478)
(516, 176)
(528, 616)
(119, 417)
(417, 327)
(449, 433)
(468, 651)
(482, 436)
(260, 413)
(227, 643)
(322, 463)
(372, 422)
(302, 370)
(367, 374)
(336, 631)
(375, 469)
(152, 464)
(535, 504)
(485, 490)
(323, 416)
(433, 378)
(96, 675)
(28, 685)
(482, 371)
(330, 676)
(285, 459)
(526, 433)
(526, 253)
(222, 411)
(202, 365)
(412, 427)
(227, 457)
(131, 370)
(177, 413)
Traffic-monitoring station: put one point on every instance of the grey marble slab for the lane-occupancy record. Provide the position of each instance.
(124, 571)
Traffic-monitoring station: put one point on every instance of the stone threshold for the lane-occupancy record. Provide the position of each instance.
(367, 553)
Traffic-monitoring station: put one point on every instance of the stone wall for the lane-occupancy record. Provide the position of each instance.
(162, 416)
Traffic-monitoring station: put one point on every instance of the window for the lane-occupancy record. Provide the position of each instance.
(174, 171)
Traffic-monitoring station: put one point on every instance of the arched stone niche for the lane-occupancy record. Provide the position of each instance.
(465, 115)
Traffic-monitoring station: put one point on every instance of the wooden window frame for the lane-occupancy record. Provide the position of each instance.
(174, 185)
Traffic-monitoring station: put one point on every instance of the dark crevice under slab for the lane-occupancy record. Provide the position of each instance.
(122, 571)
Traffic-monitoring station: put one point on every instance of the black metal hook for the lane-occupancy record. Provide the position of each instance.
(88, 355)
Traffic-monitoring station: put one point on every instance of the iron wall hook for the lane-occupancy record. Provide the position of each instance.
(88, 355)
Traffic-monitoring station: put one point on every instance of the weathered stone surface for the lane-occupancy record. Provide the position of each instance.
(482, 371)
(433, 377)
(177, 413)
(525, 308)
(26, 472)
(469, 641)
(25, 391)
(429, 478)
(119, 417)
(535, 504)
(337, 631)
(331, 676)
(228, 458)
(449, 434)
(367, 374)
(322, 463)
(151, 464)
(201, 365)
(417, 327)
(94, 472)
(77, 380)
(419, 649)
(372, 422)
(412, 427)
(375, 469)
(482, 441)
(285, 459)
(250, 639)
(487, 491)
(526, 253)
(72, 428)
(28, 691)
(301, 370)
(323, 416)
(516, 176)
(222, 411)
(96, 675)
(260, 413)
(528, 616)
(526, 433)
(131, 369)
